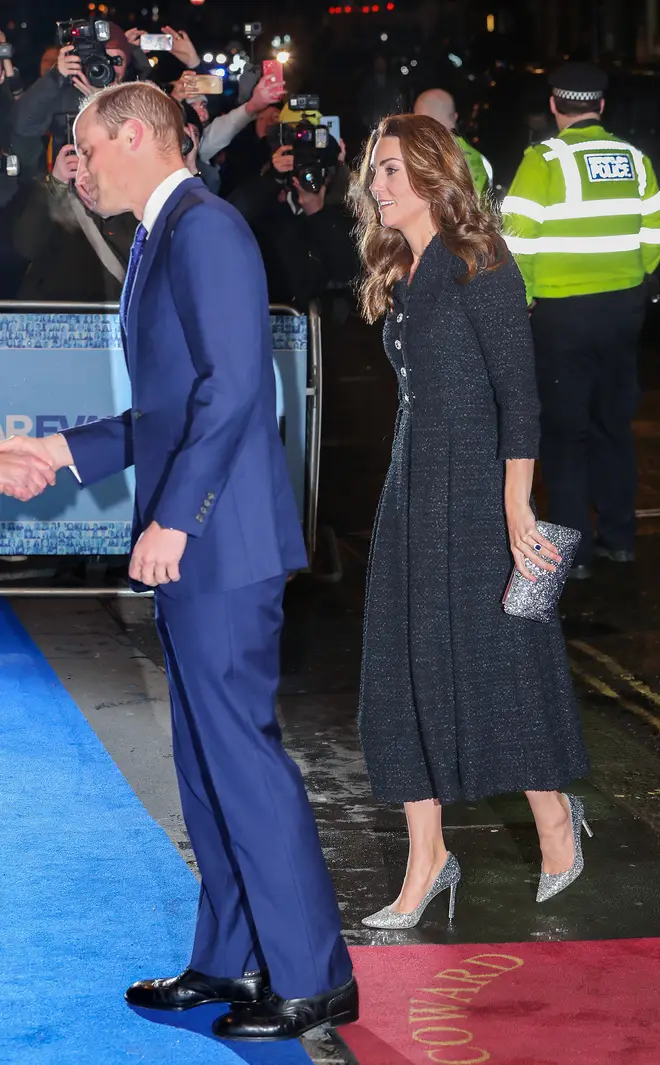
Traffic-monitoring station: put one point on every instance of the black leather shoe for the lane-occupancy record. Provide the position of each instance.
(289, 1018)
(579, 573)
(195, 989)
(614, 555)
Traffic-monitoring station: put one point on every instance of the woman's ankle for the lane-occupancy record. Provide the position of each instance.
(428, 862)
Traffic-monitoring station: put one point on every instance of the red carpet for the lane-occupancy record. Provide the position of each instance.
(586, 1003)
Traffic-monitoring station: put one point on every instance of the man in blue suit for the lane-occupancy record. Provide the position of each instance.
(216, 532)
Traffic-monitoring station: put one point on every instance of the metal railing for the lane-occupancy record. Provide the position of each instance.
(314, 399)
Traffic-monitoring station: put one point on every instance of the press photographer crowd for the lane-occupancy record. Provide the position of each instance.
(272, 156)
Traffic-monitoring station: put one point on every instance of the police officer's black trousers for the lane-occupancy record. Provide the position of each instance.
(586, 365)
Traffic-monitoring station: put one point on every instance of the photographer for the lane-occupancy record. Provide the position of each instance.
(10, 78)
(298, 215)
(10, 89)
(74, 254)
(245, 129)
(11, 266)
(58, 93)
(194, 130)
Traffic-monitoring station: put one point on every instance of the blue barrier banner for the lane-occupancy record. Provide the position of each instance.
(61, 370)
(290, 361)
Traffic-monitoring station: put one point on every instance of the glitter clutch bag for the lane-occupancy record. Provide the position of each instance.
(537, 601)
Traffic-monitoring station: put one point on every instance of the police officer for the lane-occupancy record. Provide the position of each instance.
(583, 220)
(438, 104)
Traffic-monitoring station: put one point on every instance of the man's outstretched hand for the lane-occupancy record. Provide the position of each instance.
(28, 464)
(157, 554)
(23, 475)
(52, 449)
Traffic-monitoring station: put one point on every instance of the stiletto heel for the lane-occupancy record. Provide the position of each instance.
(552, 883)
(452, 900)
(448, 877)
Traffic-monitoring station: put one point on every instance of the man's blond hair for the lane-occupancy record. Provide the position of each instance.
(144, 101)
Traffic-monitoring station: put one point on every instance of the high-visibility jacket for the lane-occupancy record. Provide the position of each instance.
(583, 214)
(480, 168)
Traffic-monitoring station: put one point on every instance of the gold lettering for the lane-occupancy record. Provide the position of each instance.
(477, 960)
(447, 992)
(417, 1035)
(430, 991)
(462, 994)
(465, 975)
(435, 1013)
(483, 1056)
(464, 984)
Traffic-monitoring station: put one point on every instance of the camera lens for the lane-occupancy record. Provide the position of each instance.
(100, 72)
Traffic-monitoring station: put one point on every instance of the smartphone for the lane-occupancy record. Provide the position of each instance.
(270, 68)
(156, 42)
(70, 123)
(205, 85)
(332, 122)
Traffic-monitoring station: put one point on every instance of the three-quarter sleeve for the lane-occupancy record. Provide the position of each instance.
(496, 306)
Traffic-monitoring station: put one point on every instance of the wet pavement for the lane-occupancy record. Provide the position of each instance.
(107, 655)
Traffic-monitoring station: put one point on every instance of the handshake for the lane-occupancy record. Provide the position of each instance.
(29, 465)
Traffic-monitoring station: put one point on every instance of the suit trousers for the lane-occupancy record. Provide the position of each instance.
(266, 898)
(586, 366)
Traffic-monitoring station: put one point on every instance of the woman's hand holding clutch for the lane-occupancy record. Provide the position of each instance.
(526, 541)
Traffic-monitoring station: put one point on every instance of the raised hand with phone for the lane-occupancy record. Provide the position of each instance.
(65, 167)
(7, 70)
(267, 92)
(183, 48)
(222, 130)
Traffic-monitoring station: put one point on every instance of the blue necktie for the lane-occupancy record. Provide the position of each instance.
(137, 250)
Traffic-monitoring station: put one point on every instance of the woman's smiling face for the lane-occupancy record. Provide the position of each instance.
(399, 206)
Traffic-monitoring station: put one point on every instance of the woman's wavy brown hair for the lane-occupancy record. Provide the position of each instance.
(438, 173)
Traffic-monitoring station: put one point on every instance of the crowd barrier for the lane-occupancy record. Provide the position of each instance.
(62, 365)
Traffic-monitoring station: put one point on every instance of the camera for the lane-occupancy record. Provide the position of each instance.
(314, 150)
(252, 30)
(10, 165)
(89, 38)
(307, 102)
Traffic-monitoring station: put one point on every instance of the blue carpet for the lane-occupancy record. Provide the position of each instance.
(93, 894)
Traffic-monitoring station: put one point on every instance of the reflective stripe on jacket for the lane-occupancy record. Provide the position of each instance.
(583, 214)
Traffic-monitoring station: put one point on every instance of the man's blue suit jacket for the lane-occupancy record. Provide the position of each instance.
(202, 431)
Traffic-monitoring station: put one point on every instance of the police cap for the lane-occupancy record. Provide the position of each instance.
(581, 82)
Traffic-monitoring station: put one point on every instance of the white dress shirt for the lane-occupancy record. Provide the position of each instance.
(161, 195)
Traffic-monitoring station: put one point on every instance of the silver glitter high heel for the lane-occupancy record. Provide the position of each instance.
(552, 883)
(448, 877)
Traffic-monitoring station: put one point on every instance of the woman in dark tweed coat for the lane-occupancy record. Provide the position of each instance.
(459, 700)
